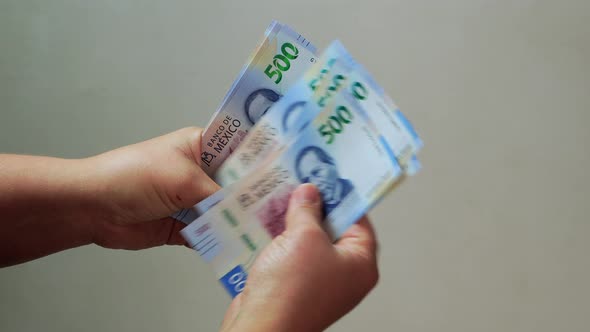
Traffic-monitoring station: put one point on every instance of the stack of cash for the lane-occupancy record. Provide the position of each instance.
(291, 117)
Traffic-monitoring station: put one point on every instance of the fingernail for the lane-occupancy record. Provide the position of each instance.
(306, 194)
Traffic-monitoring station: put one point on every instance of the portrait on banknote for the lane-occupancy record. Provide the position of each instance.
(272, 214)
(258, 102)
(314, 165)
(291, 116)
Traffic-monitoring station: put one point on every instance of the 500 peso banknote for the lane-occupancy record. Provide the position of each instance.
(283, 121)
(334, 70)
(278, 61)
(305, 100)
(352, 168)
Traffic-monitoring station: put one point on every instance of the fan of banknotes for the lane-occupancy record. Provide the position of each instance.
(294, 116)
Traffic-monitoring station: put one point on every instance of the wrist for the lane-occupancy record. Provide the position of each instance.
(85, 200)
(268, 316)
(100, 189)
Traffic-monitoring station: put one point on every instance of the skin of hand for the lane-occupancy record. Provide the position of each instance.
(302, 281)
(120, 199)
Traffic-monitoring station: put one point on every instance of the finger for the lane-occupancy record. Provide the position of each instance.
(188, 186)
(175, 238)
(202, 183)
(360, 237)
(232, 312)
(192, 138)
(305, 209)
(358, 247)
(193, 183)
(157, 233)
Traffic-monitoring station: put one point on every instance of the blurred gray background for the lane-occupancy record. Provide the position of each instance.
(493, 235)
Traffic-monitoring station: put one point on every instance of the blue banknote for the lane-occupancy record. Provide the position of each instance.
(351, 164)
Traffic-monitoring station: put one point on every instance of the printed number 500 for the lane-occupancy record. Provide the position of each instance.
(335, 123)
(281, 62)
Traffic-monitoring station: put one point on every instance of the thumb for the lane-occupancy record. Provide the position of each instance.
(194, 184)
(305, 209)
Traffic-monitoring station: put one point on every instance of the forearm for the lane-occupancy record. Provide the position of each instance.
(274, 317)
(270, 321)
(45, 206)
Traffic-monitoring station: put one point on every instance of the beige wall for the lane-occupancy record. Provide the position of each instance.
(493, 235)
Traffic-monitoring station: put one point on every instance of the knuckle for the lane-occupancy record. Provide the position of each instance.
(310, 211)
(370, 275)
(193, 142)
(186, 187)
(190, 130)
(373, 247)
(310, 233)
(373, 276)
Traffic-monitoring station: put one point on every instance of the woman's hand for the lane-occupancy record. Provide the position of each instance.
(120, 199)
(302, 281)
(141, 185)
